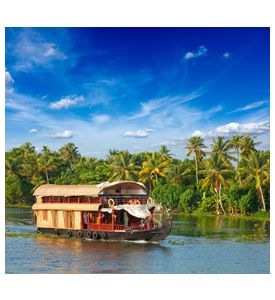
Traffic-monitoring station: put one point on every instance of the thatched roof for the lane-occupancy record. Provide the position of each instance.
(83, 190)
(66, 206)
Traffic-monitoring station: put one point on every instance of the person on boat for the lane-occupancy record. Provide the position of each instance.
(100, 218)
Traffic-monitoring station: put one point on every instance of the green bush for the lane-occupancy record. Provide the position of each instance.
(249, 203)
(14, 192)
(168, 195)
(188, 200)
(208, 203)
(233, 197)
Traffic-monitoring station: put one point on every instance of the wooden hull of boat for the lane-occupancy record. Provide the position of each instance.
(153, 235)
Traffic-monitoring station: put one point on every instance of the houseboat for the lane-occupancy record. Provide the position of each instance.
(117, 211)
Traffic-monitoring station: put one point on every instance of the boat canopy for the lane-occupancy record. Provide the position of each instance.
(140, 211)
(105, 188)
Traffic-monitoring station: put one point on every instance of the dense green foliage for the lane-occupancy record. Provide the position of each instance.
(229, 177)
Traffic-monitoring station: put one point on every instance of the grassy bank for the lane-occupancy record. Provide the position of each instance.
(260, 215)
(34, 235)
(17, 206)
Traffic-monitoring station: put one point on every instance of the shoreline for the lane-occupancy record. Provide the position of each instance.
(260, 216)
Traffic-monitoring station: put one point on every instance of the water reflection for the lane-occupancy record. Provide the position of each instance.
(195, 245)
(221, 227)
(87, 256)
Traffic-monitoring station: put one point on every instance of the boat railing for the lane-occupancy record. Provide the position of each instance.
(119, 200)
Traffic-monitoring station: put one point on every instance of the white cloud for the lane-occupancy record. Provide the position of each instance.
(227, 55)
(66, 134)
(175, 141)
(51, 50)
(248, 106)
(9, 83)
(197, 133)
(163, 103)
(234, 128)
(66, 102)
(200, 52)
(140, 133)
(100, 118)
(33, 130)
(31, 50)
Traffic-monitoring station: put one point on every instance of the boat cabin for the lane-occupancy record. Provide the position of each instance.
(117, 206)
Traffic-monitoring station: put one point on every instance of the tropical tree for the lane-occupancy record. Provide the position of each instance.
(123, 166)
(69, 154)
(222, 147)
(178, 171)
(12, 165)
(165, 153)
(153, 169)
(195, 145)
(236, 144)
(248, 145)
(256, 169)
(46, 164)
(216, 177)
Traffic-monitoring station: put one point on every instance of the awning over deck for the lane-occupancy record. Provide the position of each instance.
(140, 211)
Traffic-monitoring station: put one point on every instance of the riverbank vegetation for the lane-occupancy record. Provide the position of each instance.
(230, 176)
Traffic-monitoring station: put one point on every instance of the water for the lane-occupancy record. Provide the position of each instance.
(195, 245)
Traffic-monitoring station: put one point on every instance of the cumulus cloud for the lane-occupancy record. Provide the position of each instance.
(197, 133)
(227, 55)
(140, 133)
(66, 102)
(33, 130)
(248, 106)
(100, 118)
(66, 134)
(202, 50)
(234, 128)
(9, 83)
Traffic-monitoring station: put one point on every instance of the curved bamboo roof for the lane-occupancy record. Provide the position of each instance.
(66, 206)
(82, 190)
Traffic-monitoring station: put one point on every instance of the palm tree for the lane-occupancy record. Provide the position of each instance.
(46, 151)
(69, 153)
(175, 173)
(25, 149)
(12, 165)
(111, 154)
(180, 171)
(236, 143)
(195, 145)
(221, 147)
(216, 175)
(165, 152)
(123, 166)
(153, 168)
(46, 164)
(256, 168)
(248, 145)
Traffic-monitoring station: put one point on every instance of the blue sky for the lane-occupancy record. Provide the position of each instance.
(135, 88)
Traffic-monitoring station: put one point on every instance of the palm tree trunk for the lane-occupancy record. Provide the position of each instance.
(197, 179)
(47, 176)
(262, 198)
(220, 187)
